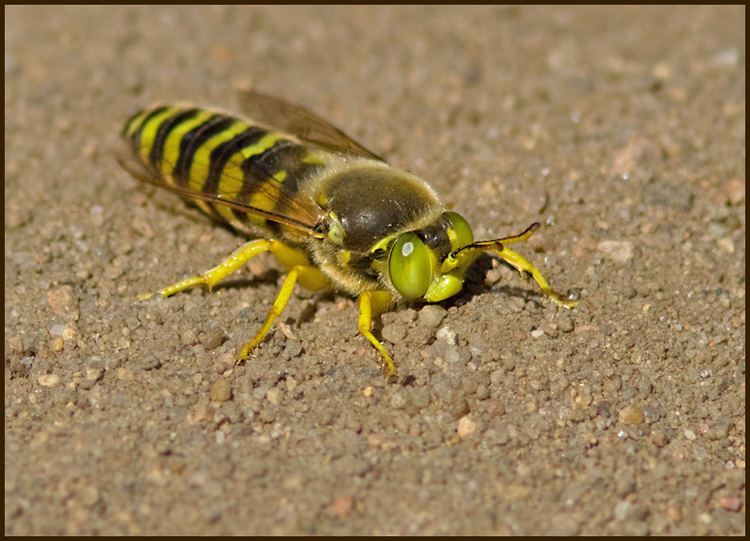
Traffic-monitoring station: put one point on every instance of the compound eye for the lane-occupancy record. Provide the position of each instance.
(410, 266)
(460, 232)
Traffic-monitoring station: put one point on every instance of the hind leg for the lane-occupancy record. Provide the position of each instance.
(213, 276)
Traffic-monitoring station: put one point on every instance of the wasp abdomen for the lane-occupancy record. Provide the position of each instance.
(211, 153)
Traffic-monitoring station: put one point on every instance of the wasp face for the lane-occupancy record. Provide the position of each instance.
(421, 265)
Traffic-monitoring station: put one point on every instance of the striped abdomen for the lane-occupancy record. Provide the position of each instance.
(205, 152)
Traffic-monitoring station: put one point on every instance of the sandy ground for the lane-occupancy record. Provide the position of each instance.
(623, 130)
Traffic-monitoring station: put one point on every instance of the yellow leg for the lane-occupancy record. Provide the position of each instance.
(521, 264)
(310, 277)
(286, 255)
(526, 235)
(213, 276)
(371, 305)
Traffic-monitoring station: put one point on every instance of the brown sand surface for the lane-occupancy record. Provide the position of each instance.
(621, 129)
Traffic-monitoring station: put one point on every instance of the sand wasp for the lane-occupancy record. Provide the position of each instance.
(334, 214)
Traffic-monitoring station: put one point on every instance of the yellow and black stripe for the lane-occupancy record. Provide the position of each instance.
(211, 153)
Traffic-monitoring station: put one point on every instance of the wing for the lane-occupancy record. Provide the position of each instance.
(298, 121)
(258, 194)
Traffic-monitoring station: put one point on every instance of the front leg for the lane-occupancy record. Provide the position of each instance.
(371, 305)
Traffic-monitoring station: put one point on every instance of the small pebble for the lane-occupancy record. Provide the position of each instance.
(726, 244)
(125, 374)
(286, 330)
(731, 503)
(565, 323)
(368, 391)
(292, 349)
(420, 397)
(212, 338)
(621, 509)
(342, 505)
(651, 414)
(689, 434)
(670, 195)
(625, 484)
(69, 333)
(89, 496)
(674, 514)
(635, 157)
(189, 338)
(717, 230)
(451, 355)
(291, 384)
(431, 315)
(631, 415)
(618, 251)
(48, 380)
(726, 58)
(221, 390)
(398, 401)
(659, 438)
(537, 333)
(551, 330)
(201, 412)
(94, 374)
(62, 301)
(629, 292)
(662, 71)
(447, 335)
(150, 363)
(56, 330)
(719, 430)
(274, 395)
(268, 415)
(393, 332)
(466, 427)
(459, 407)
(57, 344)
(735, 190)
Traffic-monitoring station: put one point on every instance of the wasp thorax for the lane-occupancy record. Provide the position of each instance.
(373, 201)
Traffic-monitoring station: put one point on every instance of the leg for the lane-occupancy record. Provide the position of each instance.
(310, 277)
(213, 276)
(284, 254)
(521, 264)
(526, 235)
(371, 305)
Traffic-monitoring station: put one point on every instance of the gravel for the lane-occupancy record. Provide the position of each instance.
(624, 416)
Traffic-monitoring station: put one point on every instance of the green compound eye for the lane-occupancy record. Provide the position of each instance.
(460, 232)
(410, 266)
